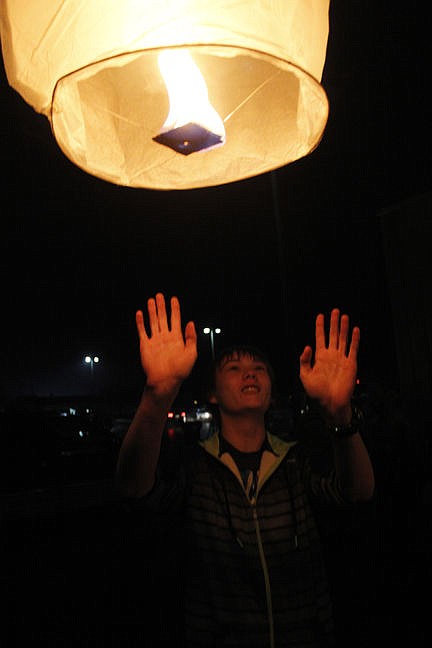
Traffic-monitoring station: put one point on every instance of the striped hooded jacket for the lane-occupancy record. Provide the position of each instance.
(253, 566)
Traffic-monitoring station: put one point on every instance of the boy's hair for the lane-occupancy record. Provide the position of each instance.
(231, 352)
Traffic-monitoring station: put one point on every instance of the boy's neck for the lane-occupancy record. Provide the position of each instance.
(245, 434)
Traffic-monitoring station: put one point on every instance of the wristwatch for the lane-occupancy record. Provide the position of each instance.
(346, 430)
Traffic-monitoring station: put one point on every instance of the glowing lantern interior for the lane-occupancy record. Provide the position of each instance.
(93, 67)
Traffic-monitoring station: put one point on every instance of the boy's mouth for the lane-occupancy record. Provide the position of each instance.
(250, 389)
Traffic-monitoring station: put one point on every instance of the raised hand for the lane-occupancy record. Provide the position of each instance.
(166, 356)
(330, 379)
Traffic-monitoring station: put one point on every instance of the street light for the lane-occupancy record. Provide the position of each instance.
(91, 360)
(210, 331)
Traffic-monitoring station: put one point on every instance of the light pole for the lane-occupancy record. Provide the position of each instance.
(211, 331)
(91, 360)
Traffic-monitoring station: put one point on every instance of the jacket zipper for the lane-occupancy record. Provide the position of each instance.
(266, 576)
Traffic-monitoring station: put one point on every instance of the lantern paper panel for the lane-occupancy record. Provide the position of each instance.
(93, 68)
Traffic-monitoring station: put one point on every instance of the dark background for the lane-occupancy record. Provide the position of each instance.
(347, 226)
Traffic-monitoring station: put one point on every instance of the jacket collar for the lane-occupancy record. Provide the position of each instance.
(275, 449)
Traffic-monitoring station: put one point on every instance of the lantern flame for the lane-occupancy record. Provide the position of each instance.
(192, 123)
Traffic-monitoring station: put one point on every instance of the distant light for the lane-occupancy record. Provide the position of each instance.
(204, 416)
(206, 330)
(170, 415)
(91, 360)
(217, 330)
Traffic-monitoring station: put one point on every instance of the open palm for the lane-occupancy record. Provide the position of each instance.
(330, 379)
(166, 356)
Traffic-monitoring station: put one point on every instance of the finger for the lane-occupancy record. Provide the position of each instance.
(139, 319)
(334, 328)
(355, 343)
(153, 318)
(190, 335)
(161, 312)
(319, 332)
(306, 358)
(343, 333)
(175, 315)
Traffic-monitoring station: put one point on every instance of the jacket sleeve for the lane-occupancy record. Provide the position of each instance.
(322, 488)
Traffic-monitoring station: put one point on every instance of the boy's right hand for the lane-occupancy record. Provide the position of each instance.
(166, 357)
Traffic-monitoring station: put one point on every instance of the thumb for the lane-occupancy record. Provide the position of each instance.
(306, 359)
(190, 335)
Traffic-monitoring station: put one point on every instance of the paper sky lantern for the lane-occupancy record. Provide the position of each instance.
(172, 95)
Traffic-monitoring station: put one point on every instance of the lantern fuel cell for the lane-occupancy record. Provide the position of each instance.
(189, 138)
(93, 67)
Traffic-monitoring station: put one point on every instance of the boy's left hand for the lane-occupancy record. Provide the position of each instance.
(330, 379)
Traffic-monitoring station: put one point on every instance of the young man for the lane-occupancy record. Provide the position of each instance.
(254, 571)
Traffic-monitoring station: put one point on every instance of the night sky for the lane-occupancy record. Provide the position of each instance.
(259, 258)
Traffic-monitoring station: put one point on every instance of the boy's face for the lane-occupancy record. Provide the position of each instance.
(242, 384)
